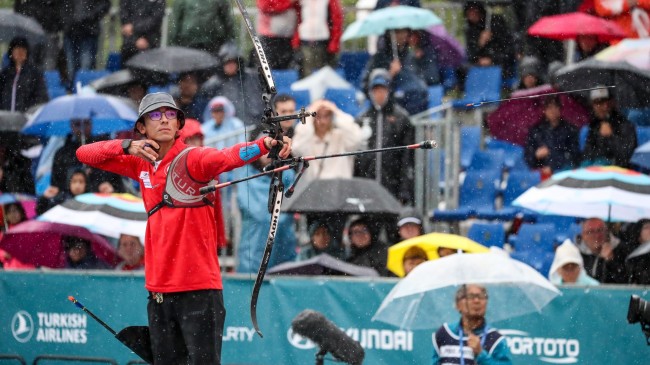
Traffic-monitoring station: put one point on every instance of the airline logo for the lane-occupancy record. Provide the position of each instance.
(22, 326)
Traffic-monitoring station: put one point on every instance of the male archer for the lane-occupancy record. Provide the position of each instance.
(185, 309)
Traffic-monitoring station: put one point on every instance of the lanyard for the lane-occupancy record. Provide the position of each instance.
(460, 336)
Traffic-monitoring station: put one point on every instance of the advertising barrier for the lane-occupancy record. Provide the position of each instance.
(583, 326)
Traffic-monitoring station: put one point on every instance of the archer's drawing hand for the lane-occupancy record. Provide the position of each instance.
(285, 151)
(145, 149)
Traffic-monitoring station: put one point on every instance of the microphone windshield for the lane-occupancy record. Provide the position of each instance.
(314, 326)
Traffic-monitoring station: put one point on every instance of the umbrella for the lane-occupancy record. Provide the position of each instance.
(633, 51)
(114, 83)
(318, 82)
(171, 60)
(632, 85)
(430, 244)
(392, 17)
(39, 243)
(14, 24)
(107, 113)
(347, 196)
(611, 193)
(513, 118)
(425, 297)
(106, 214)
(27, 201)
(641, 156)
(322, 264)
(570, 25)
(449, 51)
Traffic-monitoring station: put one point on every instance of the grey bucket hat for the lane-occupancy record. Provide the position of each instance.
(153, 101)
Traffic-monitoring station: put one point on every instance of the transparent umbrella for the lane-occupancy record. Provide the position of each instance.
(425, 297)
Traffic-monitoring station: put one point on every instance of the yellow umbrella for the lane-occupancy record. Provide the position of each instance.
(430, 244)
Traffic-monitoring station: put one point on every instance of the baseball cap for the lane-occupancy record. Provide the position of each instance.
(601, 93)
(379, 80)
(407, 220)
(153, 101)
(409, 215)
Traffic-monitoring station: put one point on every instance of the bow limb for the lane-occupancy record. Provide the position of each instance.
(275, 202)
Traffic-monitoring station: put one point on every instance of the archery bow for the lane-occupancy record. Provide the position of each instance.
(276, 188)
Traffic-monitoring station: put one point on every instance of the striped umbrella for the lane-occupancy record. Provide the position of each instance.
(611, 193)
(106, 214)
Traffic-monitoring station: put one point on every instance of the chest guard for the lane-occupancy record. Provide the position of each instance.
(181, 189)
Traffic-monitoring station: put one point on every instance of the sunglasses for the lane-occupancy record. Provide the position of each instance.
(156, 115)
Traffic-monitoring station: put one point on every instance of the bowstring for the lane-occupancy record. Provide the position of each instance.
(241, 70)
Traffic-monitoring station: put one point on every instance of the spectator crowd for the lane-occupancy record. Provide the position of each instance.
(224, 107)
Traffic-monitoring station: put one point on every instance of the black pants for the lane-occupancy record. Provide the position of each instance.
(187, 327)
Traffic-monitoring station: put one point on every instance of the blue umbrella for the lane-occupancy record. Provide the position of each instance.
(107, 113)
(392, 17)
(641, 156)
(8, 198)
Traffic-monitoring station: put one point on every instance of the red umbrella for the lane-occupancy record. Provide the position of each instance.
(39, 243)
(513, 118)
(570, 25)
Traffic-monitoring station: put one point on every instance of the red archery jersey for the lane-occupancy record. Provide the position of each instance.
(180, 243)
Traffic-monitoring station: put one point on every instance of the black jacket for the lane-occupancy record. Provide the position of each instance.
(616, 149)
(16, 171)
(638, 269)
(65, 161)
(396, 167)
(82, 17)
(562, 142)
(374, 256)
(48, 13)
(30, 89)
(500, 48)
(146, 17)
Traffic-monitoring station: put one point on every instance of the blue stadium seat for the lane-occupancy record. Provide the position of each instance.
(477, 194)
(449, 78)
(52, 78)
(487, 234)
(540, 261)
(284, 78)
(470, 142)
(638, 116)
(571, 233)
(642, 135)
(513, 153)
(534, 237)
(560, 222)
(345, 99)
(303, 98)
(436, 92)
(85, 77)
(517, 182)
(482, 84)
(353, 64)
(488, 160)
(54, 85)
